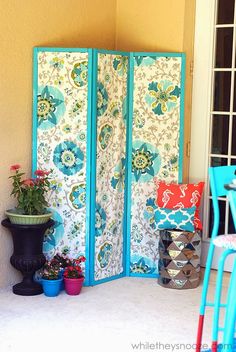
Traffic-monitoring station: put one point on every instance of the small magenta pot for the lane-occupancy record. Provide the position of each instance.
(73, 286)
(51, 288)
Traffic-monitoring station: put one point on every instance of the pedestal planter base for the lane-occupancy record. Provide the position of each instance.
(23, 289)
(27, 256)
(179, 259)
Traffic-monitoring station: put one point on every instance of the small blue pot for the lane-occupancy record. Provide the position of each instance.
(51, 288)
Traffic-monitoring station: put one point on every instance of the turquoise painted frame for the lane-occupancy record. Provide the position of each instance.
(129, 156)
(93, 167)
(93, 173)
(182, 102)
(129, 161)
(36, 50)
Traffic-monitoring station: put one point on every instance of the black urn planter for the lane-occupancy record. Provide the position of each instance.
(27, 255)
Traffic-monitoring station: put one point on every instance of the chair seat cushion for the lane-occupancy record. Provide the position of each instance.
(225, 241)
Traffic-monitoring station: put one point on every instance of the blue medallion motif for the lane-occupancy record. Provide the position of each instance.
(162, 96)
(68, 158)
(50, 107)
(146, 161)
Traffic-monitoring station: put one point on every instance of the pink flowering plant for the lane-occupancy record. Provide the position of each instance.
(30, 193)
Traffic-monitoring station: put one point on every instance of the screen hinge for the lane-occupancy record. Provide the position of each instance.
(191, 68)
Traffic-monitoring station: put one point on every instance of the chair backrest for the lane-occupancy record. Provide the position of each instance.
(232, 202)
(219, 176)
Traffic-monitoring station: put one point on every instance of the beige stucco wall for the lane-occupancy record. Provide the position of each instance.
(152, 25)
(23, 25)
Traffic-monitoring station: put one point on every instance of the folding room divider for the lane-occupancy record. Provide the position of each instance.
(106, 123)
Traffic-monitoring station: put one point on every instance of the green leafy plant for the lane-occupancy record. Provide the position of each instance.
(30, 193)
(51, 271)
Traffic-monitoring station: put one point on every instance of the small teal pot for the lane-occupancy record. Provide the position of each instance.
(51, 288)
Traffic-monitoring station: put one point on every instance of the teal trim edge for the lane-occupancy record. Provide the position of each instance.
(181, 122)
(157, 54)
(88, 168)
(125, 218)
(129, 160)
(93, 165)
(34, 122)
(149, 276)
(112, 52)
(55, 50)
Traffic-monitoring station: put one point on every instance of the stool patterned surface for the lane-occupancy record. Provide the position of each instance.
(179, 259)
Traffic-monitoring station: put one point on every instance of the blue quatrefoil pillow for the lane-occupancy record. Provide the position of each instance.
(179, 219)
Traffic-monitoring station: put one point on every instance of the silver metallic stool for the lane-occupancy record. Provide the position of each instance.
(179, 259)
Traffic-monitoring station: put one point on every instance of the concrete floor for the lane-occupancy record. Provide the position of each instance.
(124, 315)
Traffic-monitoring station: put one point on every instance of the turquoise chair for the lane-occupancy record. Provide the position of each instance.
(219, 176)
(229, 343)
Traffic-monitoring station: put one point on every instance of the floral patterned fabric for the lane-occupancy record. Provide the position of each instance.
(61, 145)
(62, 95)
(155, 150)
(111, 158)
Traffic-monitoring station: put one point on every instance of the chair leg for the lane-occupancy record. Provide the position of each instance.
(204, 297)
(217, 299)
(230, 314)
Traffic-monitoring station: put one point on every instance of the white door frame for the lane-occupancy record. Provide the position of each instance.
(201, 108)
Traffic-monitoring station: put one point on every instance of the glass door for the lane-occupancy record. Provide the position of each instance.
(213, 141)
(222, 146)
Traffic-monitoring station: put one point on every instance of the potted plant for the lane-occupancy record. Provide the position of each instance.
(63, 261)
(31, 196)
(73, 277)
(51, 279)
(60, 261)
(27, 225)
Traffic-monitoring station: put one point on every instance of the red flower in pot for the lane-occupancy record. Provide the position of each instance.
(73, 276)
